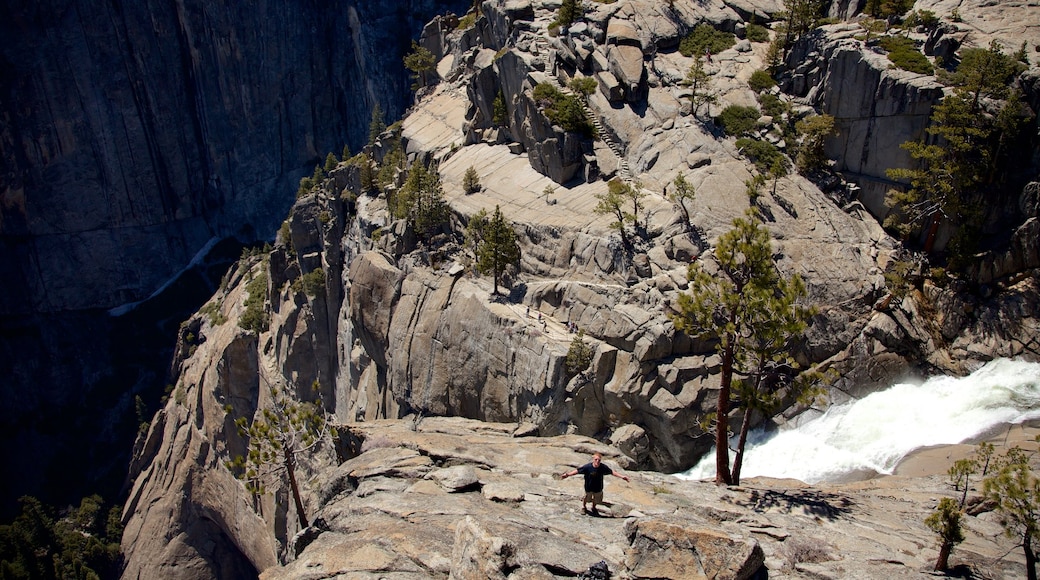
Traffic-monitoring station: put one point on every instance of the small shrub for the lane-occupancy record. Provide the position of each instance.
(471, 181)
(757, 33)
(500, 117)
(904, 54)
(211, 310)
(255, 318)
(761, 80)
(737, 120)
(313, 282)
(705, 38)
(763, 154)
(563, 110)
(306, 185)
(467, 21)
(772, 105)
(584, 86)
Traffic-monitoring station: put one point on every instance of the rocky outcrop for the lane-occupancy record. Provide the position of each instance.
(408, 331)
(876, 107)
(455, 498)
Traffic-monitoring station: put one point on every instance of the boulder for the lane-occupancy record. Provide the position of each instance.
(662, 548)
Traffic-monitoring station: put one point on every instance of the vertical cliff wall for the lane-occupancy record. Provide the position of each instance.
(134, 134)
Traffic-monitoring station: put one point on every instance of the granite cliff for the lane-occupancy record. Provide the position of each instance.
(135, 137)
(375, 325)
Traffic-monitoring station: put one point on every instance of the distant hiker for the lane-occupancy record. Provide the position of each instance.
(593, 473)
(707, 55)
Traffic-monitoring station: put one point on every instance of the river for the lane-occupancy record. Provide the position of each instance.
(870, 436)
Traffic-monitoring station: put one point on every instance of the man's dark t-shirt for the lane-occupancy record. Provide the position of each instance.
(594, 476)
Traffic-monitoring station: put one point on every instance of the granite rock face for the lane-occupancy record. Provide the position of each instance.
(134, 137)
(409, 331)
(142, 131)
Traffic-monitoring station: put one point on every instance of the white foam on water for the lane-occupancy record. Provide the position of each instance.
(875, 433)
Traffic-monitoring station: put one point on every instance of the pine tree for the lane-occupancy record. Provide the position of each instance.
(377, 125)
(330, 162)
(946, 521)
(1016, 491)
(813, 131)
(681, 193)
(579, 354)
(421, 201)
(279, 438)
(754, 313)
(699, 82)
(613, 203)
(420, 61)
(498, 248)
(470, 181)
(568, 13)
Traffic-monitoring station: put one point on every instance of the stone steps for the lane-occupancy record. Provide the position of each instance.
(624, 172)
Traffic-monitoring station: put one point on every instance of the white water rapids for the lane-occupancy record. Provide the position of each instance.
(873, 434)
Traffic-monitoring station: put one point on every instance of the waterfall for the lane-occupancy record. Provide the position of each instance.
(872, 435)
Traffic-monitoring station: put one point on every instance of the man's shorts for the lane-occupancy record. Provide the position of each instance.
(593, 497)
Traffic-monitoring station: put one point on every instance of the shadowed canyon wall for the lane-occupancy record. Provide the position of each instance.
(132, 136)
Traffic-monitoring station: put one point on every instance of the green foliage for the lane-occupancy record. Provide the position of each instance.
(280, 437)
(1015, 490)
(924, 18)
(255, 318)
(570, 10)
(887, 8)
(946, 522)
(306, 185)
(755, 314)
(753, 187)
(584, 86)
(681, 193)
(497, 247)
(613, 203)
(898, 278)
(330, 162)
(467, 21)
(563, 110)
(984, 73)
(81, 543)
(393, 163)
(762, 153)
(366, 171)
(421, 201)
(772, 105)
(579, 354)
(313, 283)
(737, 120)
(500, 117)
(761, 80)
(903, 53)
(705, 38)
(699, 82)
(420, 61)
(377, 125)
(757, 33)
(475, 230)
(812, 134)
(954, 168)
(212, 311)
(470, 181)
(799, 17)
